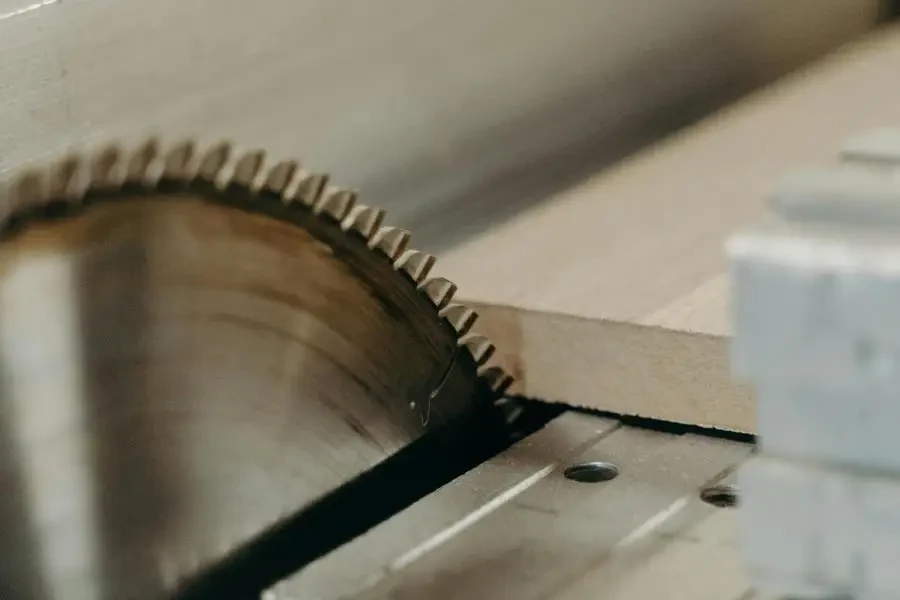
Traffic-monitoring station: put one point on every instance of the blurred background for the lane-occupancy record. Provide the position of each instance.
(452, 114)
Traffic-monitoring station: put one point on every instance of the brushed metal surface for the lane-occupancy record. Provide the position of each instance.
(689, 554)
(352, 568)
(451, 114)
(176, 376)
(645, 534)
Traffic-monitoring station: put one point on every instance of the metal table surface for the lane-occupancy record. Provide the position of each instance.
(517, 527)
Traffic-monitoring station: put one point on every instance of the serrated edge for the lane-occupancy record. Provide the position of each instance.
(335, 203)
(364, 220)
(279, 177)
(460, 317)
(390, 241)
(416, 264)
(439, 290)
(249, 169)
(214, 161)
(178, 162)
(152, 163)
(309, 188)
(479, 347)
(497, 379)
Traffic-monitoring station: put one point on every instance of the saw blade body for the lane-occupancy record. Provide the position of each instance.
(189, 354)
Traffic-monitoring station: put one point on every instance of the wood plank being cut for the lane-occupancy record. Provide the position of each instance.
(614, 294)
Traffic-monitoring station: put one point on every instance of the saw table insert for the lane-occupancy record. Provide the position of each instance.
(518, 527)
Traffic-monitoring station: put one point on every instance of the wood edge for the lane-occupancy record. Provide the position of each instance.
(626, 368)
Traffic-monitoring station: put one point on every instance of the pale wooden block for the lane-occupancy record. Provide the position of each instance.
(643, 244)
(812, 530)
(419, 103)
(619, 366)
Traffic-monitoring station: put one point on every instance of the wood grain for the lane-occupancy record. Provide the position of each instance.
(614, 295)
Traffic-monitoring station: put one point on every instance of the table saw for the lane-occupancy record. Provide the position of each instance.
(151, 295)
(225, 376)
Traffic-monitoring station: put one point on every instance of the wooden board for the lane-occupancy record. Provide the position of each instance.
(614, 294)
(424, 105)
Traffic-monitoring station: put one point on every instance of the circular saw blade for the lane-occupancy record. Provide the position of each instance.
(194, 345)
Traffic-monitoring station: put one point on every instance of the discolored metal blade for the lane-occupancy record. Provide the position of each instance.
(193, 347)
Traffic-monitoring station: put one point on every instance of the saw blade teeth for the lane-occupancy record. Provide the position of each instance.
(510, 409)
(213, 162)
(142, 161)
(310, 188)
(439, 290)
(105, 167)
(68, 179)
(280, 176)
(497, 379)
(337, 204)
(390, 241)
(460, 317)
(148, 164)
(27, 190)
(364, 220)
(392, 273)
(247, 169)
(416, 264)
(178, 161)
(479, 347)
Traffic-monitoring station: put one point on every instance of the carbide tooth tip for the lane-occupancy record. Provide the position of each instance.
(337, 204)
(248, 168)
(104, 166)
(416, 264)
(498, 380)
(68, 179)
(310, 188)
(460, 317)
(364, 220)
(177, 162)
(281, 175)
(390, 241)
(439, 290)
(213, 161)
(142, 160)
(479, 346)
